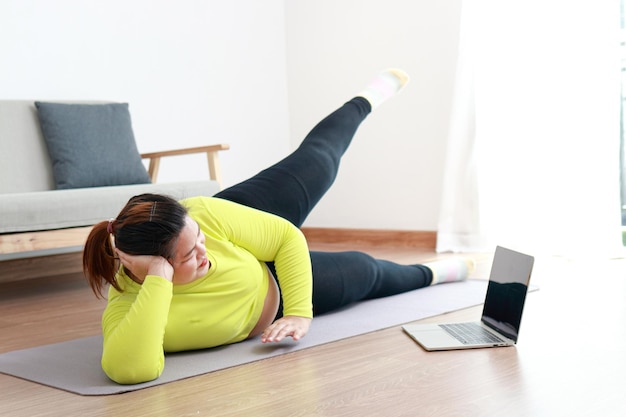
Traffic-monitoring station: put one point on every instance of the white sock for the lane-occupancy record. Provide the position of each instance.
(384, 86)
(450, 270)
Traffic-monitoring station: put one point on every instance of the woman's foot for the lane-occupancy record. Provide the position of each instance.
(450, 270)
(384, 86)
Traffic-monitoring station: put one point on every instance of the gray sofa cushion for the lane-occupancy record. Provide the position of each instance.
(58, 209)
(91, 145)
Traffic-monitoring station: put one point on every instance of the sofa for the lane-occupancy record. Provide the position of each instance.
(64, 166)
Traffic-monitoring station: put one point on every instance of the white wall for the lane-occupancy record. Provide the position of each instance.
(206, 71)
(391, 178)
(194, 72)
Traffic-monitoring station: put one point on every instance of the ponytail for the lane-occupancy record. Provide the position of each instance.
(99, 261)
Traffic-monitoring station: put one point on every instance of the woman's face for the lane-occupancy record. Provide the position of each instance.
(190, 261)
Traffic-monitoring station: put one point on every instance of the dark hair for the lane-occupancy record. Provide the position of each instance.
(149, 224)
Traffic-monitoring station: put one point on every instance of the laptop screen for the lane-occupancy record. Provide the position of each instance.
(506, 292)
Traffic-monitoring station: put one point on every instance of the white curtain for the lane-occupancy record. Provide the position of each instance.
(533, 151)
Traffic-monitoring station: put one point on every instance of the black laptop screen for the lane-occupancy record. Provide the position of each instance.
(506, 293)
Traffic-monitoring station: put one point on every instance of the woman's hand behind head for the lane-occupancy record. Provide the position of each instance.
(139, 266)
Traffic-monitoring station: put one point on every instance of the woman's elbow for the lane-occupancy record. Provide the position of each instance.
(128, 374)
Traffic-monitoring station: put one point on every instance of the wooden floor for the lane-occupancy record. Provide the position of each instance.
(553, 371)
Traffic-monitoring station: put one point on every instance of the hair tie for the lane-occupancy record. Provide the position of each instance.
(110, 226)
(152, 210)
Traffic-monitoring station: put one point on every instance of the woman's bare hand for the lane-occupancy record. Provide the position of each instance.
(141, 265)
(294, 326)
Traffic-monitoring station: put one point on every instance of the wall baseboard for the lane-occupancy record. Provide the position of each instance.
(374, 237)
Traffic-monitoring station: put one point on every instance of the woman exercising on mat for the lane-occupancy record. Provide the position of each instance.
(211, 271)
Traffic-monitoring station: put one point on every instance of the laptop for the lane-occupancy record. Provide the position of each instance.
(502, 311)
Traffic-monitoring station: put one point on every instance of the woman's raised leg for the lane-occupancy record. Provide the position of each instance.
(293, 186)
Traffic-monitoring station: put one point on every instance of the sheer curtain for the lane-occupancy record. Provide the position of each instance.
(533, 150)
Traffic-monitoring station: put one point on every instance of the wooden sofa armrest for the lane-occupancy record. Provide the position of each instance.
(211, 153)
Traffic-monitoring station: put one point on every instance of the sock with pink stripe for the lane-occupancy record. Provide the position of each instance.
(450, 270)
(384, 86)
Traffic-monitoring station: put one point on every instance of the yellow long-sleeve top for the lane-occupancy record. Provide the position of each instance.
(145, 320)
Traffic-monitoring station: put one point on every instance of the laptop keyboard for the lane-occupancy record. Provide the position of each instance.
(470, 333)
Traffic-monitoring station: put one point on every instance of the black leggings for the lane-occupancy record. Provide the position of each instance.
(293, 186)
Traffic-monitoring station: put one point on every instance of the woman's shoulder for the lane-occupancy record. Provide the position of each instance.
(202, 201)
(204, 204)
(196, 200)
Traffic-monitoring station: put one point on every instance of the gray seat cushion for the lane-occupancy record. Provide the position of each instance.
(58, 209)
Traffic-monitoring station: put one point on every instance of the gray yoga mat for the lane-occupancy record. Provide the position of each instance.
(74, 366)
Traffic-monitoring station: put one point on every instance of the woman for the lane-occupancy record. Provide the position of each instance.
(211, 271)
